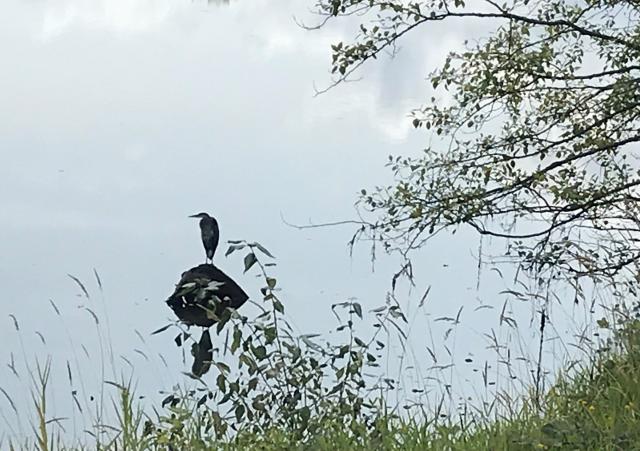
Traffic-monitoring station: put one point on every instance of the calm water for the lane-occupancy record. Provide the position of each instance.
(118, 119)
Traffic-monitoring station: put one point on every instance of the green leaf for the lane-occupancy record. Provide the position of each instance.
(360, 342)
(263, 249)
(357, 308)
(260, 352)
(168, 400)
(271, 282)
(239, 412)
(249, 260)
(221, 383)
(247, 360)
(225, 398)
(270, 334)
(305, 414)
(223, 367)
(237, 336)
(233, 248)
(278, 306)
(162, 329)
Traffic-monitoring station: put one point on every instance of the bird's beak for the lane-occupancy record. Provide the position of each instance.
(194, 216)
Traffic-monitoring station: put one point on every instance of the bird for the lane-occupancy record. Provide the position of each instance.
(210, 234)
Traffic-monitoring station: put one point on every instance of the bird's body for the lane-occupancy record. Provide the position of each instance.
(210, 233)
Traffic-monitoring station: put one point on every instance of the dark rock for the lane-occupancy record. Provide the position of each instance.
(203, 294)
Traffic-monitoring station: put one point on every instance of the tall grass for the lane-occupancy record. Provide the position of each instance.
(270, 388)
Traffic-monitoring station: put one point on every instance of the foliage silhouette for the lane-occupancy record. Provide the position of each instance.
(533, 133)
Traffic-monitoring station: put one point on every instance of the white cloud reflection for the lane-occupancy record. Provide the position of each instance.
(117, 16)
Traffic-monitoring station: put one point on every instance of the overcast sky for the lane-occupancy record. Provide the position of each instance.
(119, 118)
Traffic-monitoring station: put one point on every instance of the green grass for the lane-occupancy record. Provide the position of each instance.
(594, 408)
(277, 391)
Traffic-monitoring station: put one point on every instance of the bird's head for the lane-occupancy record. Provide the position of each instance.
(200, 216)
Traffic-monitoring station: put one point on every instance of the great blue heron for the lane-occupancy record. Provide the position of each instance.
(210, 234)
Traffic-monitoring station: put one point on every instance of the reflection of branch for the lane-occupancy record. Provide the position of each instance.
(324, 224)
(311, 27)
(318, 92)
(564, 25)
(327, 17)
(595, 34)
(622, 70)
(599, 200)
